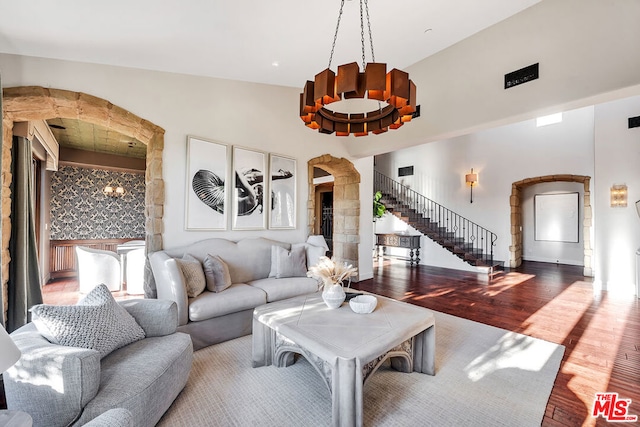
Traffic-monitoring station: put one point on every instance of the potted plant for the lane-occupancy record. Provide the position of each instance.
(378, 208)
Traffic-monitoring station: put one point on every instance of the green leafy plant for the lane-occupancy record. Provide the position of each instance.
(378, 208)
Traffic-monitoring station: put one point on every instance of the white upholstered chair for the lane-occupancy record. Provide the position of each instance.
(134, 274)
(97, 266)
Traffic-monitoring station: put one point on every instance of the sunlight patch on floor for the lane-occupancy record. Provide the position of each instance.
(506, 282)
(595, 322)
(512, 351)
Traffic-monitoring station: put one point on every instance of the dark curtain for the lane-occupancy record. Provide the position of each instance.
(2, 303)
(24, 276)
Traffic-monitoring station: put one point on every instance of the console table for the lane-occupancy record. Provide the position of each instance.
(407, 241)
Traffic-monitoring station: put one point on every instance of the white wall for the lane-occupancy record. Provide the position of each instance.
(500, 156)
(365, 259)
(548, 251)
(587, 51)
(617, 230)
(257, 116)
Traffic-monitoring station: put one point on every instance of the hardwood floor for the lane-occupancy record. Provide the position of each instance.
(601, 332)
(65, 292)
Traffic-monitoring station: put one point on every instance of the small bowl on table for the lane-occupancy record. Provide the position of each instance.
(363, 304)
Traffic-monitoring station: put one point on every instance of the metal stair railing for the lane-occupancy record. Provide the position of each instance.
(441, 222)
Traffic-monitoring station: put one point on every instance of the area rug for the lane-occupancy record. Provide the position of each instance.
(485, 376)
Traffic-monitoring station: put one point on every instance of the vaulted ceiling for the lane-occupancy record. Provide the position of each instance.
(280, 42)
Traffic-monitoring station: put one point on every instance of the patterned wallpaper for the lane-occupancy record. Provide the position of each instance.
(79, 209)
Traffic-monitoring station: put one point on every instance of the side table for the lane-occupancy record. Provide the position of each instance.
(406, 241)
(10, 418)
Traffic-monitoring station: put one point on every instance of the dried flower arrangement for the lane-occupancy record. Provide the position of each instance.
(332, 272)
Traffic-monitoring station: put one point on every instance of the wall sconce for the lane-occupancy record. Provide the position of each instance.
(619, 196)
(471, 179)
(112, 191)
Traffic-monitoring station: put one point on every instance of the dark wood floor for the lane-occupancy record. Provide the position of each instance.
(556, 303)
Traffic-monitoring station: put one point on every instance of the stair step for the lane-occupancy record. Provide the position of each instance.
(465, 250)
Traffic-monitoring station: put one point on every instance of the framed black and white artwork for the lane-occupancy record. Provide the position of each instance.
(282, 185)
(207, 185)
(249, 189)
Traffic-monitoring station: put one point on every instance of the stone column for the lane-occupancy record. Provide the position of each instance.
(7, 142)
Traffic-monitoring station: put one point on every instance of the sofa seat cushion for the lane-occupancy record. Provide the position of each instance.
(277, 289)
(237, 297)
(144, 377)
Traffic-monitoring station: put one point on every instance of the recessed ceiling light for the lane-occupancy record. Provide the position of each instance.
(275, 64)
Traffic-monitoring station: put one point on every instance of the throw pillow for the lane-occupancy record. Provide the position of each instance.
(313, 253)
(216, 272)
(291, 263)
(97, 322)
(274, 261)
(194, 280)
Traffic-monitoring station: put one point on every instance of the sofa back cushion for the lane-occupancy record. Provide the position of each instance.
(248, 259)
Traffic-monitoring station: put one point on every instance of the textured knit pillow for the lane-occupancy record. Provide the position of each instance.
(97, 322)
(291, 263)
(194, 280)
(216, 273)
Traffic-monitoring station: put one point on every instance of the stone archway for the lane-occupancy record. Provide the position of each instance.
(38, 103)
(515, 250)
(346, 205)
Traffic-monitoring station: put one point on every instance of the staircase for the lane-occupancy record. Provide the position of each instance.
(463, 238)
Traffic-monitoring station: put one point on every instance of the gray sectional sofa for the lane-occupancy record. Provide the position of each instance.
(213, 317)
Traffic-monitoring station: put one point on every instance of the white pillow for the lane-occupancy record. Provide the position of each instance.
(313, 253)
(97, 322)
(291, 263)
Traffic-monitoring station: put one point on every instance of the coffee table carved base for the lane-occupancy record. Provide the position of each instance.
(282, 330)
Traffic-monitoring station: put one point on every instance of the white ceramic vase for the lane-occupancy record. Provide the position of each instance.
(333, 295)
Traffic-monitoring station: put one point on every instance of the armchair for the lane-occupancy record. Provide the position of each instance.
(69, 386)
(97, 266)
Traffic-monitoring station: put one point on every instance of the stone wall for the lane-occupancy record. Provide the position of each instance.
(38, 103)
(346, 205)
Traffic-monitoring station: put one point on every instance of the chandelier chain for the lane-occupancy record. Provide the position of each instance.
(335, 36)
(366, 6)
(364, 63)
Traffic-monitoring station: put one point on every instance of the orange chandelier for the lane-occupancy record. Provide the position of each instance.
(394, 92)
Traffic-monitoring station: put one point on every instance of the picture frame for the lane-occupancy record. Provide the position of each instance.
(282, 187)
(207, 185)
(248, 190)
(557, 217)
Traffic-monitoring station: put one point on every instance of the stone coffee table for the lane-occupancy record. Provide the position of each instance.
(344, 347)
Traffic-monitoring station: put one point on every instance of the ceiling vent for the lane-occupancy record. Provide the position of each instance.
(523, 75)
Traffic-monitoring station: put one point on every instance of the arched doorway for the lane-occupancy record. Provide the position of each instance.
(38, 103)
(515, 250)
(346, 205)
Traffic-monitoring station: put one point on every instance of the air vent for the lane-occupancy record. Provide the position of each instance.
(405, 171)
(634, 122)
(521, 76)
